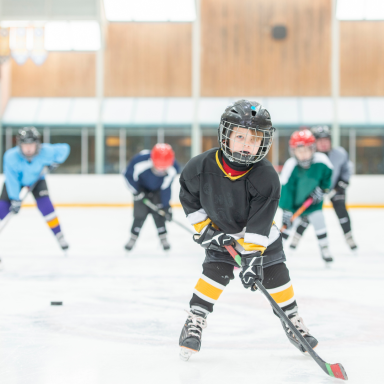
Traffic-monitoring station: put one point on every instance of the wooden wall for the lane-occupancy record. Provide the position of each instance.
(64, 74)
(362, 58)
(240, 57)
(148, 59)
(5, 85)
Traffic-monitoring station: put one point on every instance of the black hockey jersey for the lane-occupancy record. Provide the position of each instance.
(242, 206)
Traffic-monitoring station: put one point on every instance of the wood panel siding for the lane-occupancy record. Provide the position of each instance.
(240, 57)
(5, 85)
(148, 59)
(362, 58)
(63, 74)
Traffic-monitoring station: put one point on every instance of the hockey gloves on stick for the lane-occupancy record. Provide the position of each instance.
(52, 167)
(15, 206)
(142, 195)
(317, 195)
(251, 270)
(287, 216)
(213, 239)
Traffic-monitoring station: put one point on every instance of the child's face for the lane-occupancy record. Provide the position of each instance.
(29, 150)
(303, 153)
(246, 141)
(323, 144)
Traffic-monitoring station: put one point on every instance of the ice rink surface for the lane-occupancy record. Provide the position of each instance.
(123, 313)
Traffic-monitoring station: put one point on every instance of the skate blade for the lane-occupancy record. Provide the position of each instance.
(186, 353)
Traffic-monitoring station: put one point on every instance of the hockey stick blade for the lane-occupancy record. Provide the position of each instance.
(333, 370)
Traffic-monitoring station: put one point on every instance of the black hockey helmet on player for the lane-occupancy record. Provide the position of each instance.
(256, 119)
(321, 131)
(29, 135)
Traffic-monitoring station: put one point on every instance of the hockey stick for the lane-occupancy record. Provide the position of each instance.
(161, 212)
(333, 370)
(29, 189)
(305, 205)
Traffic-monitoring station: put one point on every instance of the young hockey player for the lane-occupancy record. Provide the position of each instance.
(22, 168)
(150, 175)
(306, 174)
(340, 181)
(230, 195)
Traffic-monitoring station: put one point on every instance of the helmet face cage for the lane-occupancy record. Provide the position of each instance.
(303, 163)
(257, 137)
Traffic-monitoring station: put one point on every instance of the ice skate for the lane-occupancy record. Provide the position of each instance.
(62, 242)
(295, 241)
(350, 241)
(131, 243)
(190, 338)
(164, 242)
(299, 324)
(325, 254)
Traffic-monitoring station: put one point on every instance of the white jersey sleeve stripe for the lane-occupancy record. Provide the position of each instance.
(197, 217)
(288, 168)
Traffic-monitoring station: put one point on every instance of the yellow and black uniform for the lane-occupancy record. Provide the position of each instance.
(243, 207)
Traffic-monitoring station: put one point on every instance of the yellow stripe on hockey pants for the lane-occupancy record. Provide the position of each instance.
(208, 289)
(283, 295)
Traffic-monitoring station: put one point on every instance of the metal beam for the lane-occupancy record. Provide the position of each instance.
(99, 132)
(335, 75)
(196, 69)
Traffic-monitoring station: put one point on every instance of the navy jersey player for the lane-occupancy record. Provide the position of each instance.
(150, 175)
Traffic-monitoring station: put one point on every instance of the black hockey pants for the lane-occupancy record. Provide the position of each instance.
(141, 211)
(338, 202)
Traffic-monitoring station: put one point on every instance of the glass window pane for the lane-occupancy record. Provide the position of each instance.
(112, 150)
(73, 163)
(369, 155)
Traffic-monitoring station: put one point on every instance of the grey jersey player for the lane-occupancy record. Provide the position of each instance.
(340, 181)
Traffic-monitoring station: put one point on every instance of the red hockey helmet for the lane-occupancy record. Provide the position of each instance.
(162, 156)
(302, 138)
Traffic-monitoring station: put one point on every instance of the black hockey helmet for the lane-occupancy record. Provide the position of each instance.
(252, 116)
(28, 135)
(321, 131)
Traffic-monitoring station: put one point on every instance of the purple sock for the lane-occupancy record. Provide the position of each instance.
(4, 208)
(46, 208)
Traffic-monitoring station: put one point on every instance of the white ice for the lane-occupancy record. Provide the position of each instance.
(123, 313)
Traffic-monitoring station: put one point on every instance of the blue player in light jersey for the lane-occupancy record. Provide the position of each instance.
(22, 168)
(150, 175)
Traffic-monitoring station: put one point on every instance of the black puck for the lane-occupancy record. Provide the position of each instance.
(56, 303)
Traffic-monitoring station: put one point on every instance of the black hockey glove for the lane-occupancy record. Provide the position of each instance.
(138, 196)
(287, 215)
(213, 239)
(15, 206)
(341, 186)
(251, 270)
(52, 167)
(317, 195)
(143, 195)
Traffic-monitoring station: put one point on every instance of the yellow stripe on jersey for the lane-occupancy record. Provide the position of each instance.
(208, 290)
(200, 226)
(283, 296)
(226, 174)
(53, 223)
(251, 246)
